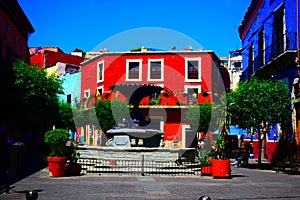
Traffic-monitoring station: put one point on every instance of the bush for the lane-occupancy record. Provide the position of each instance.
(56, 140)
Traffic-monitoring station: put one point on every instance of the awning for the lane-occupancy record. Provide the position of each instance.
(233, 130)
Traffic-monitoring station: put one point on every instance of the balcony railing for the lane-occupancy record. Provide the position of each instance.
(287, 42)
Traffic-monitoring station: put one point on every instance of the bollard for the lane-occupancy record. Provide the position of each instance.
(32, 195)
(205, 197)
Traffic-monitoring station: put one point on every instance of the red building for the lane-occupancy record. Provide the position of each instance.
(14, 30)
(49, 56)
(160, 85)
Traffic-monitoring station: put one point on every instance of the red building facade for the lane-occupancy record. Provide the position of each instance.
(49, 56)
(161, 84)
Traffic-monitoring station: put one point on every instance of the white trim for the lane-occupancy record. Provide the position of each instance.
(186, 69)
(161, 69)
(186, 87)
(140, 61)
(98, 78)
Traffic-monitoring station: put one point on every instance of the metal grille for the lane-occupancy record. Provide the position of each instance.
(138, 167)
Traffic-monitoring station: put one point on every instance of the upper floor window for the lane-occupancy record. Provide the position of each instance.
(100, 71)
(134, 70)
(251, 59)
(155, 69)
(261, 48)
(193, 69)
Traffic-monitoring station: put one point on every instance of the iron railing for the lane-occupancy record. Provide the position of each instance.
(287, 42)
(138, 167)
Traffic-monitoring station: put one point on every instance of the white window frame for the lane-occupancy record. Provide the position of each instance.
(140, 61)
(101, 88)
(98, 69)
(187, 70)
(161, 69)
(186, 87)
(87, 93)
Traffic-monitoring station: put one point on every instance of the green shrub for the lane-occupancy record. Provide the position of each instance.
(56, 140)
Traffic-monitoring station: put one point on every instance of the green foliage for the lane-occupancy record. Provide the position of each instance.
(66, 115)
(204, 157)
(155, 101)
(109, 113)
(199, 117)
(260, 103)
(56, 140)
(256, 101)
(38, 93)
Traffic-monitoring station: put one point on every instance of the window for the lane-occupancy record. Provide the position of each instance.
(86, 93)
(8, 53)
(251, 59)
(134, 70)
(261, 47)
(155, 69)
(192, 95)
(193, 69)
(100, 71)
(278, 34)
(69, 98)
(99, 91)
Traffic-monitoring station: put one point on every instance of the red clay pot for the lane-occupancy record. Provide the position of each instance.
(221, 168)
(57, 166)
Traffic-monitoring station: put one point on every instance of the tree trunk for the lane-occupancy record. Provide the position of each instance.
(260, 149)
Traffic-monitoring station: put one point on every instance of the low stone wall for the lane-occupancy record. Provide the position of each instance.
(186, 154)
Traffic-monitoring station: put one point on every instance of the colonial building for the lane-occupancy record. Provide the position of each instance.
(14, 30)
(159, 85)
(269, 34)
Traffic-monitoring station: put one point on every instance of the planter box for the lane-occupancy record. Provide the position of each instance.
(206, 170)
(221, 168)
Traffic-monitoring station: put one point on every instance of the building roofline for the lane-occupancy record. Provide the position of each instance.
(249, 17)
(101, 54)
(13, 9)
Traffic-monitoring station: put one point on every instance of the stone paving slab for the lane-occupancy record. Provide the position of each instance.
(244, 184)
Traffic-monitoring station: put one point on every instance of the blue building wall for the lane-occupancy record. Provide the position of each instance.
(264, 15)
(71, 85)
(265, 19)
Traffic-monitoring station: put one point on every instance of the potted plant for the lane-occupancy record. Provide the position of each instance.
(73, 168)
(221, 164)
(205, 163)
(56, 140)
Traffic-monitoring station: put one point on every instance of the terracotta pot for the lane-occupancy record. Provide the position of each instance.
(73, 169)
(206, 170)
(57, 166)
(221, 168)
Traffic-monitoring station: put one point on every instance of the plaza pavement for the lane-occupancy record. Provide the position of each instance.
(245, 183)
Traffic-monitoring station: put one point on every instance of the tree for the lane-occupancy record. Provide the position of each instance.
(109, 113)
(66, 116)
(259, 105)
(199, 117)
(37, 93)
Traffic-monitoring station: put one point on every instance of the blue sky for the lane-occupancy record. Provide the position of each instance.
(121, 25)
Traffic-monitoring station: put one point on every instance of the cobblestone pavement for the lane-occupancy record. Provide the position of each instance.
(245, 184)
